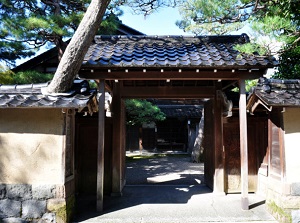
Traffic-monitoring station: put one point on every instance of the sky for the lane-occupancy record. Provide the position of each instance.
(158, 23)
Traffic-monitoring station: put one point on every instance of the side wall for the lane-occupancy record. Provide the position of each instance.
(292, 145)
(32, 173)
(31, 143)
(279, 177)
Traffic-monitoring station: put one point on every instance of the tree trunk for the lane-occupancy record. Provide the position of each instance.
(73, 56)
(60, 46)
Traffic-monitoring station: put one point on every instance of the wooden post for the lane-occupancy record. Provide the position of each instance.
(100, 154)
(117, 142)
(243, 145)
(219, 183)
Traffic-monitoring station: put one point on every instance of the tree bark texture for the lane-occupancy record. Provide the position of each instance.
(73, 56)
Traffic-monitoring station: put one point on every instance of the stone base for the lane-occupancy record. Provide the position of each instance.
(283, 201)
(245, 203)
(33, 201)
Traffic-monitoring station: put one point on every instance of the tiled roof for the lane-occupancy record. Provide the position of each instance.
(30, 95)
(178, 108)
(172, 51)
(278, 92)
(186, 111)
(44, 58)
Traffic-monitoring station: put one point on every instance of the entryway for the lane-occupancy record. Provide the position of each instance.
(148, 168)
(171, 201)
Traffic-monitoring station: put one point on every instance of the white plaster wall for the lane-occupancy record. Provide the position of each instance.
(291, 118)
(31, 142)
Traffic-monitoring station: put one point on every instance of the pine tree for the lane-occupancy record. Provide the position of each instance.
(27, 25)
(279, 20)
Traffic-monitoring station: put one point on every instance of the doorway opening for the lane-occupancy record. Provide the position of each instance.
(163, 169)
(160, 152)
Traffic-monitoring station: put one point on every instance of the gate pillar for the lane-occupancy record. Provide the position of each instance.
(243, 145)
(100, 150)
(118, 152)
(219, 183)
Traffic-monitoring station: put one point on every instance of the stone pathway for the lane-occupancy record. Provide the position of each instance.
(171, 189)
(166, 170)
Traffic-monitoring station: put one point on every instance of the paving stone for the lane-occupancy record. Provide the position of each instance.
(19, 191)
(33, 209)
(147, 171)
(10, 208)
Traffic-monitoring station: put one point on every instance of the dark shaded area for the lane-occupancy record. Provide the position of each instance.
(251, 206)
(164, 169)
(180, 180)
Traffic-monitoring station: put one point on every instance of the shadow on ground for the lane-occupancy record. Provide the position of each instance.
(170, 189)
(165, 179)
(167, 169)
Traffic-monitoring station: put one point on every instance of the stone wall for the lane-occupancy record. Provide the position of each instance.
(283, 201)
(32, 203)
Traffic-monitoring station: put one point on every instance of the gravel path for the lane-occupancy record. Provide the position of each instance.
(167, 170)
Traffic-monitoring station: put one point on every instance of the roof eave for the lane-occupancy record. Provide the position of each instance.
(172, 73)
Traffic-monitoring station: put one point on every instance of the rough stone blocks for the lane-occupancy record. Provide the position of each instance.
(33, 209)
(295, 189)
(14, 220)
(18, 191)
(24, 203)
(2, 191)
(296, 216)
(10, 208)
(41, 192)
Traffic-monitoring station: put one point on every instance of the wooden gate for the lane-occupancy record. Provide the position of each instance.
(86, 155)
(257, 146)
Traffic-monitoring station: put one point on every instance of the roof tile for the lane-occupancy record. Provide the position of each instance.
(31, 96)
(175, 51)
(275, 92)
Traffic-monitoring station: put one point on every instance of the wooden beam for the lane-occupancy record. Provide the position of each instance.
(243, 145)
(219, 183)
(100, 154)
(117, 142)
(174, 74)
(123, 144)
(168, 92)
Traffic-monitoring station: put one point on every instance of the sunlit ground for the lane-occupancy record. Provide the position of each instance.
(172, 169)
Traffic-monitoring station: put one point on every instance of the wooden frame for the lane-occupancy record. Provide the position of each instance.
(114, 79)
(101, 137)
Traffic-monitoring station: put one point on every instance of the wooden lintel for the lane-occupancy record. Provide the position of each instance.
(135, 74)
(168, 92)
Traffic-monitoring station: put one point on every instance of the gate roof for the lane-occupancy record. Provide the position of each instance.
(174, 51)
(171, 66)
(139, 53)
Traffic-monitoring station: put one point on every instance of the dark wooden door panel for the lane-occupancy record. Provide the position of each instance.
(257, 146)
(86, 155)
